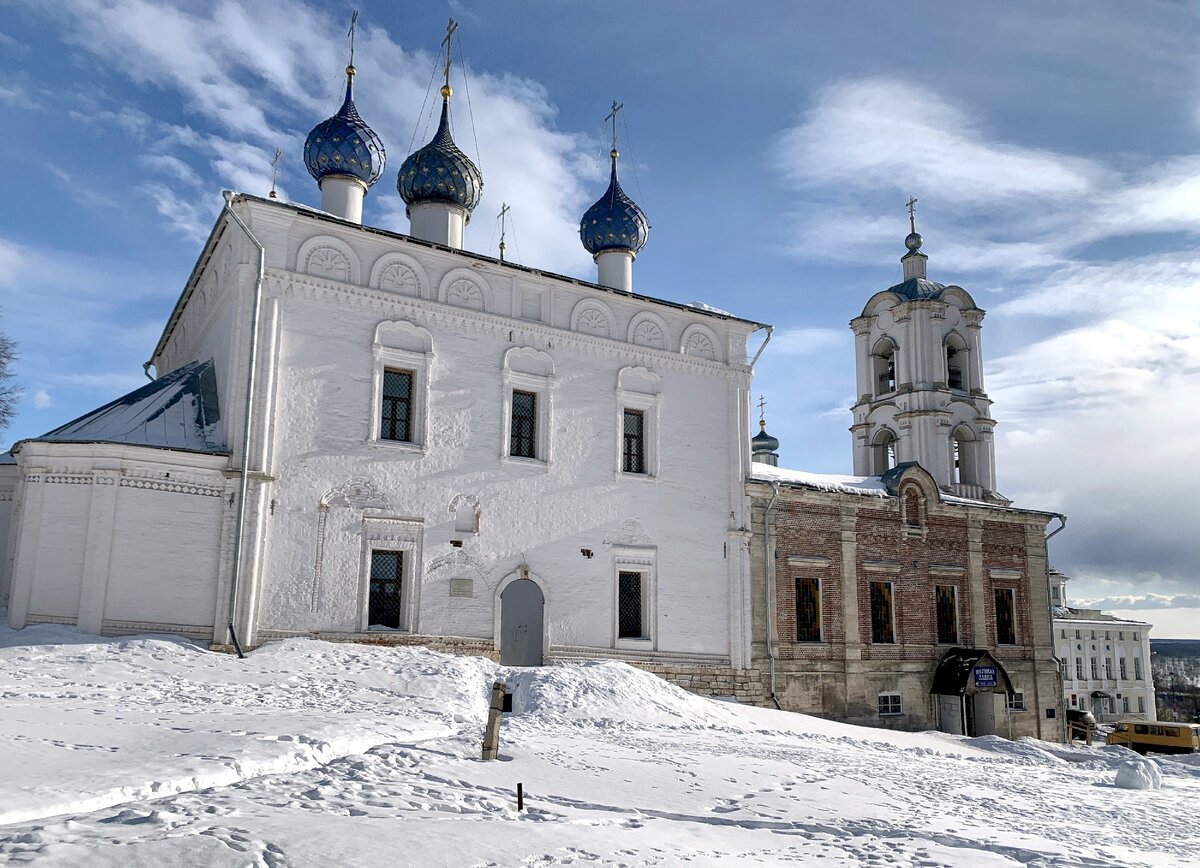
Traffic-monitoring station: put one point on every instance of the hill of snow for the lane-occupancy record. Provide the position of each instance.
(153, 751)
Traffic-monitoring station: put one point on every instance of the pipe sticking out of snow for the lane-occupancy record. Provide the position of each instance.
(244, 484)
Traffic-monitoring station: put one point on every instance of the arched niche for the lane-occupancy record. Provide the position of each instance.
(649, 330)
(397, 272)
(700, 342)
(463, 288)
(329, 258)
(591, 317)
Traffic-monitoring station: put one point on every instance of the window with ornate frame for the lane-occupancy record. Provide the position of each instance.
(638, 401)
(401, 357)
(528, 376)
(634, 597)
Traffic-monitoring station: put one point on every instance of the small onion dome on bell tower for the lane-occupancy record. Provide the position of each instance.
(614, 222)
(344, 144)
(440, 172)
(764, 447)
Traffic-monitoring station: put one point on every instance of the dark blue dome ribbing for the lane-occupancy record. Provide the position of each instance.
(345, 145)
(440, 172)
(615, 222)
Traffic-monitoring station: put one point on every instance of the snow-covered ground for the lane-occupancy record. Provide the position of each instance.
(152, 751)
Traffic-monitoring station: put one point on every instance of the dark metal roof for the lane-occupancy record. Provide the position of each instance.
(176, 411)
(345, 145)
(440, 172)
(918, 288)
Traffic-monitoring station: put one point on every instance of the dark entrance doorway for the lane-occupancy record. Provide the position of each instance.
(384, 607)
(521, 611)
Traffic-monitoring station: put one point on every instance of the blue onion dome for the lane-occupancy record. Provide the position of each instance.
(615, 222)
(440, 172)
(762, 441)
(344, 144)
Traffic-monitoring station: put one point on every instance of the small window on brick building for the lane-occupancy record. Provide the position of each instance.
(808, 610)
(947, 615)
(890, 704)
(882, 627)
(1016, 700)
(1006, 616)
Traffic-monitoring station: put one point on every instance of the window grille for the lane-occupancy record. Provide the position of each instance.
(630, 620)
(1006, 627)
(947, 615)
(396, 412)
(890, 704)
(523, 436)
(383, 605)
(882, 630)
(808, 610)
(633, 456)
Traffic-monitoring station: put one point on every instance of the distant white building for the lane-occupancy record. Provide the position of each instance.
(1105, 660)
(362, 434)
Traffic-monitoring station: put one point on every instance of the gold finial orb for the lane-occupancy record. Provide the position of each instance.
(350, 70)
(613, 153)
(447, 90)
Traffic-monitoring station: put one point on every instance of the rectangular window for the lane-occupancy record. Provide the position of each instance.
(1137, 668)
(947, 615)
(384, 602)
(1073, 700)
(631, 620)
(395, 417)
(1141, 705)
(882, 629)
(1079, 668)
(1006, 624)
(1108, 667)
(890, 704)
(1123, 670)
(522, 441)
(1125, 704)
(1066, 672)
(633, 453)
(1096, 668)
(808, 610)
(1121, 635)
(1016, 701)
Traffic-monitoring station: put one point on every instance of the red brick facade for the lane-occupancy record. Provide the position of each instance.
(913, 539)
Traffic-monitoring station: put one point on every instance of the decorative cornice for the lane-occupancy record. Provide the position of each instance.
(881, 566)
(814, 561)
(946, 570)
(172, 486)
(1010, 575)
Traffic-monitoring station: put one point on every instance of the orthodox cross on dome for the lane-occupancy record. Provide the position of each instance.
(350, 35)
(912, 213)
(762, 408)
(451, 26)
(612, 116)
(504, 209)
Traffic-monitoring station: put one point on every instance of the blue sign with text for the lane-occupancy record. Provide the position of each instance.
(985, 676)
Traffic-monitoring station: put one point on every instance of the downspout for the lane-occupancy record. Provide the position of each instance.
(769, 576)
(1062, 724)
(770, 331)
(244, 481)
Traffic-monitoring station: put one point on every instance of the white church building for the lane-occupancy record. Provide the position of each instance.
(366, 435)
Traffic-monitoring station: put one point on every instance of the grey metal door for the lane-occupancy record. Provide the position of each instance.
(521, 611)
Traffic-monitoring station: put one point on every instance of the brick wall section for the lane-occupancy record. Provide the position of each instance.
(916, 541)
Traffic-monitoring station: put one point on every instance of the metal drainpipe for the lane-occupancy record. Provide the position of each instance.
(1058, 704)
(770, 331)
(238, 546)
(768, 574)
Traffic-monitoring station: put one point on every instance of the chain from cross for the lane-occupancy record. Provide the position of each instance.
(612, 116)
(912, 213)
(451, 26)
(762, 405)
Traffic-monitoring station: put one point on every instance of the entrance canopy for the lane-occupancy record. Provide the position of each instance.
(1100, 694)
(964, 671)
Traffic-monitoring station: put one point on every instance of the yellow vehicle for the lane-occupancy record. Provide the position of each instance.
(1158, 737)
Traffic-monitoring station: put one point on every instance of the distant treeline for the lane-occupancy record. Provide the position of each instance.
(1175, 647)
(1176, 667)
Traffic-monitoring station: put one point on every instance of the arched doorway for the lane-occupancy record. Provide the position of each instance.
(522, 608)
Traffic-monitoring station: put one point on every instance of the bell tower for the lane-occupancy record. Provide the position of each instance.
(919, 366)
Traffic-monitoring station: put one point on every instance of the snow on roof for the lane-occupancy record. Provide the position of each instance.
(699, 305)
(869, 485)
(176, 411)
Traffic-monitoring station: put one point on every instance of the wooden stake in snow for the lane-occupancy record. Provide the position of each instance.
(520, 797)
(491, 734)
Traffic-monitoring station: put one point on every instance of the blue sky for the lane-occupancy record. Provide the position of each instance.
(1054, 148)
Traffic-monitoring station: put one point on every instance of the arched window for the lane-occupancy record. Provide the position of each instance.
(883, 366)
(883, 452)
(964, 465)
(956, 363)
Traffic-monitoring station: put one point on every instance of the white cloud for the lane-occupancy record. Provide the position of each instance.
(42, 399)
